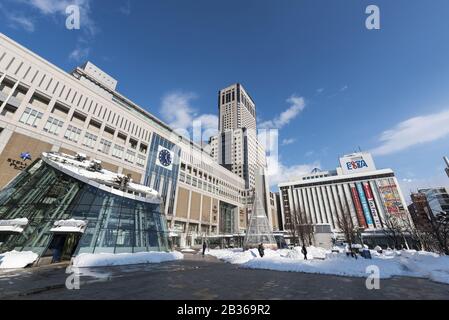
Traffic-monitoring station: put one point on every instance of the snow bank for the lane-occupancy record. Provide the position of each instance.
(16, 259)
(238, 256)
(119, 259)
(390, 263)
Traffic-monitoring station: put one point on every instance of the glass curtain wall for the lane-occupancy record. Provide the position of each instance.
(115, 224)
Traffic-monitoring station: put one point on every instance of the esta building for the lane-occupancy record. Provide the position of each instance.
(368, 196)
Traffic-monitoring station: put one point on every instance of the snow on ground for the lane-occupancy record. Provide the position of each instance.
(390, 263)
(16, 259)
(119, 259)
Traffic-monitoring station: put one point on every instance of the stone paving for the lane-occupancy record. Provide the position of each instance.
(198, 277)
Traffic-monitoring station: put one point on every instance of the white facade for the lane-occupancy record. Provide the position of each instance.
(44, 108)
(367, 196)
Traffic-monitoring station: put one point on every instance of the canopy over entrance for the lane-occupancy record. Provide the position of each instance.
(69, 226)
(13, 225)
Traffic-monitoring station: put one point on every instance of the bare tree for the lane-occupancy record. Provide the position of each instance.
(300, 229)
(440, 232)
(394, 230)
(347, 228)
(420, 236)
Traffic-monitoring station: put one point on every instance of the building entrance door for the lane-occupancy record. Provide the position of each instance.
(62, 246)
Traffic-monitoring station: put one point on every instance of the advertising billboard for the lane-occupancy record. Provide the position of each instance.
(390, 196)
(364, 202)
(372, 204)
(357, 162)
(358, 207)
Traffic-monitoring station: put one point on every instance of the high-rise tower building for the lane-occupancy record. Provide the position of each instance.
(236, 146)
(236, 109)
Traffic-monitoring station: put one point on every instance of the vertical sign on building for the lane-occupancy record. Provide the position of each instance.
(358, 207)
(372, 204)
(390, 196)
(365, 206)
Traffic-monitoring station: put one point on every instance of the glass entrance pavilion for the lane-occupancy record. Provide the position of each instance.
(72, 204)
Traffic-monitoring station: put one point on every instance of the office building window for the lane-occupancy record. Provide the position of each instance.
(130, 156)
(90, 140)
(72, 133)
(140, 160)
(105, 146)
(31, 117)
(118, 151)
(53, 126)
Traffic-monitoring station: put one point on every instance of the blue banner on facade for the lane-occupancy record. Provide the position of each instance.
(365, 206)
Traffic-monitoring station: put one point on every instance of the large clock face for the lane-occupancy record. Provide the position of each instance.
(165, 157)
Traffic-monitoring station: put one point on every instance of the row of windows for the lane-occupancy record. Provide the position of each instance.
(31, 117)
(53, 86)
(209, 187)
(67, 95)
(207, 177)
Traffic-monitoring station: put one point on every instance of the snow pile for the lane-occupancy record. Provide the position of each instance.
(13, 225)
(70, 225)
(238, 256)
(16, 259)
(390, 263)
(119, 259)
(81, 167)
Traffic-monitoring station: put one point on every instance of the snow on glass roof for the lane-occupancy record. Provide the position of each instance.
(92, 170)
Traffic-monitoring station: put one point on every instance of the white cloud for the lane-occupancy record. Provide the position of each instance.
(413, 131)
(288, 141)
(58, 8)
(344, 88)
(53, 7)
(310, 153)
(409, 185)
(176, 109)
(18, 21)
(79, 54)
(319, 90)
(278, 172)
(297, 104)
(126, 8)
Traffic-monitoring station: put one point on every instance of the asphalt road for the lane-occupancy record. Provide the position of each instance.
(196, 277)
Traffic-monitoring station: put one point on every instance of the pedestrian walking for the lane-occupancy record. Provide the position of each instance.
(304, 251)
(261, 250)
(204, 248)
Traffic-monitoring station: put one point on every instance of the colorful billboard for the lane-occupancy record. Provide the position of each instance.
(372, 204)
(390, 196)
(358, 207)
(365, 206)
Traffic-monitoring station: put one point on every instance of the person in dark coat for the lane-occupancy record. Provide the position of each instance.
(304, 252)
(204, 248)
(261, 250)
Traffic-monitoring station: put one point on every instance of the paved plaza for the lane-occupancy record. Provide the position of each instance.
(196, 277)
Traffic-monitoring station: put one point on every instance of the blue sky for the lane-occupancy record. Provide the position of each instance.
(314, 70)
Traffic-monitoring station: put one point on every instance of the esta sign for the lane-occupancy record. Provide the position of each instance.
(356, 164)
